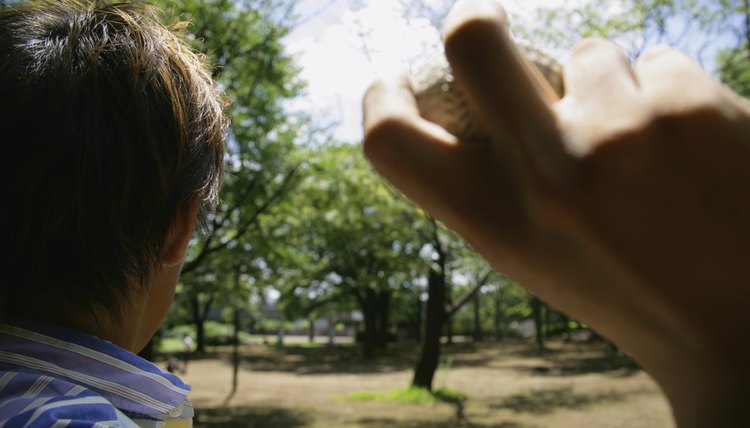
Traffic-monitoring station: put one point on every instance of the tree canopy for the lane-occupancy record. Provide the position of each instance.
(313, 221)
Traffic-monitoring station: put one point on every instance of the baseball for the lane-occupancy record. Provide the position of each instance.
(440, 100)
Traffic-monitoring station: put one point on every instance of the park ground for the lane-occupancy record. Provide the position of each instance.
(505, 385)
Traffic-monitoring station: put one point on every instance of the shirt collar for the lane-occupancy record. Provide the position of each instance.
(130, 383)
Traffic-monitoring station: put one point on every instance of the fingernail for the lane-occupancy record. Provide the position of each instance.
(474, 10)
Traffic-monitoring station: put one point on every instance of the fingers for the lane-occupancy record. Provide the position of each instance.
(502, 89)
(602, 96)
(598, 67)
(391, 119)
(448, 179)
(672, 82)
(387, 100)
(407, 150)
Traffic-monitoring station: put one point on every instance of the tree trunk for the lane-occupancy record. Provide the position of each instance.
(536, 311)
(448, 317)
(280, 333)
(417, 321)
(311, 329)
(383, 312)
(498, 314)
(331, 330)
(477, 336)
(200, 336)
(564, 324)
(199, 317)
(434, 320)
(235, 350)
(370, 312)
(448, 322)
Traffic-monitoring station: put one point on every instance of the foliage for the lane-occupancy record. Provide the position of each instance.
(170, 346)
(560, 28)
(243, 40)
(217, 334)
(315, 222)
(435, 10)
(345, 239)
(734, 69)
(502, 302)
(266, 326)
(700, 28)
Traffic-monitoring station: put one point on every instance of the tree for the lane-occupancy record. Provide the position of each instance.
(734, 69)
(243, 40)
(346, 242)
(538, 309)
(697, 27)
(734, 63)
(475, 276)
(508, 304)
(445, 248)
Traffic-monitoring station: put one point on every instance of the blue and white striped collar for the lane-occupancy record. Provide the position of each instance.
(135, 386)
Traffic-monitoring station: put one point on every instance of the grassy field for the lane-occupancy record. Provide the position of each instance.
(498, 385)
(170, 345)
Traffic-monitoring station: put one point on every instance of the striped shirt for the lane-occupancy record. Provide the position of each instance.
(56, 377)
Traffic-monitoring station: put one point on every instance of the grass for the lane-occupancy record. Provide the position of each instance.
(305, 345)
(411, 395)
(170, 345)
(309, 345)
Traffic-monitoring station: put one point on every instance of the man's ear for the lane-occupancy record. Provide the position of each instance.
(179, 235)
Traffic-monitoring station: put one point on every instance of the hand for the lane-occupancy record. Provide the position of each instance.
(624, 204)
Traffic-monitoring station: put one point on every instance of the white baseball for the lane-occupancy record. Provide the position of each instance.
(440, 100)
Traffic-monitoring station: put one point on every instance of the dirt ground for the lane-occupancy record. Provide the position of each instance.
(507, 385)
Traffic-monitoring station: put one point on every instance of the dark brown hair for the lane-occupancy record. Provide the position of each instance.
(110, 127)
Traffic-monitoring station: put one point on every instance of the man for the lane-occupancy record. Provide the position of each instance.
(113, 136)
(624, 203)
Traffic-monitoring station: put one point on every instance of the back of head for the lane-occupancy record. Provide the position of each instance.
(111, 126)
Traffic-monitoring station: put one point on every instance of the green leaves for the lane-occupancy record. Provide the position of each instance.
(242, 40)
(701, 28)
(734, 69)
(350, 229)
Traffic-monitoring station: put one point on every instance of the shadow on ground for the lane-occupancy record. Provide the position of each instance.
(250, 417)
(559, 360)
(562, 360)
(571, 364)
(322, 360)
(392, 423)
(546, 401)
(265, 417)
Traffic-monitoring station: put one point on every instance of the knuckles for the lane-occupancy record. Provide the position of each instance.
(660, 53)
(595, 46)
(470, 17)
(383, 134)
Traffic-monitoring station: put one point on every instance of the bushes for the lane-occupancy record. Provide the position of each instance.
(217, 334)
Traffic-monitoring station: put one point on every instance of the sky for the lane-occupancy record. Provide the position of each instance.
(342, 49)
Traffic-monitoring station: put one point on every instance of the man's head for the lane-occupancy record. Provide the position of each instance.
(112, 133)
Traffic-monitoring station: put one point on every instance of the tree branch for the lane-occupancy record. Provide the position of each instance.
(244, 228)
(469, 294)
